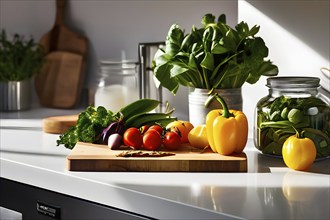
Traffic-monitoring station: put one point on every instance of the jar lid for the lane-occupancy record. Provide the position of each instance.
(107, 62)
(118, 67)
(293, 82)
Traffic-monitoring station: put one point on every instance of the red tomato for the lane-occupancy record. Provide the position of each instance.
(182, 128)
(144, 128)
(158, 128)
(133, 137)
(171, 140)
(152, 139)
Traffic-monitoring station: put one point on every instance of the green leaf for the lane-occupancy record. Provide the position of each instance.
(174, 40)
(161, 58)
(264, 68)
(254, 30)
(242, 29)
(193, 63)
(222, 19)
(207, 19)
(218, 49)
(185, 80)
(207, 39)
(163, 74)
(177, 70)
(182, 57)
(216, 33)
(268, 69)
(187, 42)
(187, 73)
(223, 62)
(224, 80)
(255, 49)
(253, 78)
(197, 48)
(223, 28)
(208, 61)
(229, 41)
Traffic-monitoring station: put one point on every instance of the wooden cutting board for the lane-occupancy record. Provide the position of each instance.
(60, 82)
(93, 157)
(58, 85)
(58, 124)
(60, 37)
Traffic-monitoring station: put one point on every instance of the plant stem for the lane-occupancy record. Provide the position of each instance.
(298, 135)
(226, 112)
(207, 85)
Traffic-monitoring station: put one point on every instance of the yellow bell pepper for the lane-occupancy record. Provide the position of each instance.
(298, 153)
(227, 130)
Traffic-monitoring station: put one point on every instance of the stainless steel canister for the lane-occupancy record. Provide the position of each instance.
(15, 95)
(149, 88)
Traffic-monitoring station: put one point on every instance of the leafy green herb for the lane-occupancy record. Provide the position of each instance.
(90, 125)
(213, 56)
(19, 59)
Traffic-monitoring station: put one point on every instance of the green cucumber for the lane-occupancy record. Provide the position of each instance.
(138, 107)
(146, 118)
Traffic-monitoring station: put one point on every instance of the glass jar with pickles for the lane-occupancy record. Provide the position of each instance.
(292, 102)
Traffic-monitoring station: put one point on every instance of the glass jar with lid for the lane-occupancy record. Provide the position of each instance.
(292, 102)
(117, 84)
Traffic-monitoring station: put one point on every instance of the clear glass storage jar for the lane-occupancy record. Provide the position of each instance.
(292, 101)
(117, 84)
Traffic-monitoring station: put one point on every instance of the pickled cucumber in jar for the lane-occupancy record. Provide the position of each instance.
(291, 107)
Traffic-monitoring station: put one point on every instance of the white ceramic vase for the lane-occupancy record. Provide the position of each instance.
(197, 98)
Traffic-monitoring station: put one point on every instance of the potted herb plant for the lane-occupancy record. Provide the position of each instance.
(214, 57)
(20, 60)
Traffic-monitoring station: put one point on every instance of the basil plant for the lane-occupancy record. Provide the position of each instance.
(214, 56)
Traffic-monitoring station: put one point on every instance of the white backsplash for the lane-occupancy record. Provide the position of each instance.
(296, 32)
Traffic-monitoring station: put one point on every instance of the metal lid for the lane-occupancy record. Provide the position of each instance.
(293, 82)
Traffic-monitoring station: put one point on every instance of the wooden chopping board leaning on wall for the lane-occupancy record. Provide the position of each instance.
(60, 81)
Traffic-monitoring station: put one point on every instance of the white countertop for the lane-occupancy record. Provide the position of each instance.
(269, 190)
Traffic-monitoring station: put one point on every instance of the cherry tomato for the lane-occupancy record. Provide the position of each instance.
(188, 125)
(133, 137)
(171, 140)
(144, 129)
(182, 128)
(158, 128)
(152, 139)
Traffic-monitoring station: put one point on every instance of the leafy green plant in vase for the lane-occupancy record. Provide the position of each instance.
(215, 58)
(20, 61)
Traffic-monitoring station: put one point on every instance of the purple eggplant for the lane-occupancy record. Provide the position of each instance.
(116, 127)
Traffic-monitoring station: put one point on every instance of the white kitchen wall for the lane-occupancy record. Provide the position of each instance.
(296, 32)
(115, 27)
(297, 35)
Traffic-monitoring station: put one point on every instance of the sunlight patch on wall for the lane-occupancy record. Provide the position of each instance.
(292, 56)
